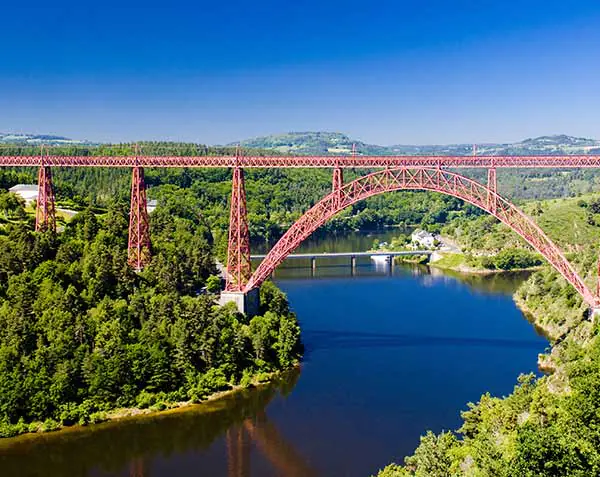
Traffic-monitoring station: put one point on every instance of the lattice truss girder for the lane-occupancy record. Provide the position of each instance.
(354, 161)
(433, 179)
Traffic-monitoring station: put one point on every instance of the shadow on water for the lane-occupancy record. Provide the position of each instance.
(122, 447)
(329, 339)
(494, 283)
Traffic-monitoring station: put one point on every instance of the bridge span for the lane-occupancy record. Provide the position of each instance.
(350, 254)
(388, 256)
(386, 174)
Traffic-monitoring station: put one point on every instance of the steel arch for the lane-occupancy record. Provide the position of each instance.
(431, 179)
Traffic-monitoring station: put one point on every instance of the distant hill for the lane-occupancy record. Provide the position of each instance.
(34, 139)
(313, 143)
(324, 143)
(335, 143)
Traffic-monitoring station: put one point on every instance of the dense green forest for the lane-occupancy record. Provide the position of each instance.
(82, 334)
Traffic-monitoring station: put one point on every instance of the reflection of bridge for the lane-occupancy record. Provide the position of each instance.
(396, 173)
(262, 432)
(282, 456)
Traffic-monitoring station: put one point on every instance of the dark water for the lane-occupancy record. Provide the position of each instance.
(388, 356)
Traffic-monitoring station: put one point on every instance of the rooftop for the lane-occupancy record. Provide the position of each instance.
(24, 188)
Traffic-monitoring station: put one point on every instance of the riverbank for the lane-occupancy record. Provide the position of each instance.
(459, 262)
(42, 428)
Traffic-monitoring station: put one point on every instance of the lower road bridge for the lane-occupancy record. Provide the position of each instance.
(387, 256)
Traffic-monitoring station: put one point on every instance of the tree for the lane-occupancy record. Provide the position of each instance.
(432, 458)
(11, 205)
(213, 284)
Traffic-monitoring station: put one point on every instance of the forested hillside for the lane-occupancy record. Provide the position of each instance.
(81, 334)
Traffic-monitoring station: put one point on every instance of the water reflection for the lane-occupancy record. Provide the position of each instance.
(280, 453)
(504, 283)
(135, 447)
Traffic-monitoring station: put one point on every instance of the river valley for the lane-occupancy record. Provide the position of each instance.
(388, 356)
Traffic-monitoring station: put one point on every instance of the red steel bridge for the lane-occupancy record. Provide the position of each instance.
(385, 174)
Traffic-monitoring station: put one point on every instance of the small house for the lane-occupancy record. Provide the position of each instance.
(423, 238)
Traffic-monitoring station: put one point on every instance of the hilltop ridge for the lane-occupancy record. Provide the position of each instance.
(319, 142)
(41, 139)
(337, 143)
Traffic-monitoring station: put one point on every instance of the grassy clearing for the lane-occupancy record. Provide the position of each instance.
(452, 261)
(566, 220)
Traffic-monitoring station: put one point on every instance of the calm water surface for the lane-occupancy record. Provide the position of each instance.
(389, 355)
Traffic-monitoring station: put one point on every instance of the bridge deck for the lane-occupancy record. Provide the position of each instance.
(564, 161)
(351, 254)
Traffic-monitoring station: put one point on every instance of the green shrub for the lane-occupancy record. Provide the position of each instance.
(35, 426)
(146, 399)
(159, 406)
(50, 425)
(213, 284)
(7, 429)
(247, 378)
(97, 417)
(208, 383)
(512, 258)
(393, 470)
(70, 413)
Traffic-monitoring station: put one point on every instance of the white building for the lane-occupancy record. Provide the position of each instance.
(28, 192)
(423, 238)
(151, 205)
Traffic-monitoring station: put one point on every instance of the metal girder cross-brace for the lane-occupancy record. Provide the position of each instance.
(239, 267)
(138, 249)
(492, 189)
(45, 212)
(338, 183)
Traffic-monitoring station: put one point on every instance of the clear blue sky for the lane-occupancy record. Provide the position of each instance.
(387, 72)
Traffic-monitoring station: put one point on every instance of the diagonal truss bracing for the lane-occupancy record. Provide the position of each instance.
(432, 179)
(341, 162)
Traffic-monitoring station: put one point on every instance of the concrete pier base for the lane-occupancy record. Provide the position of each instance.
(246, 303)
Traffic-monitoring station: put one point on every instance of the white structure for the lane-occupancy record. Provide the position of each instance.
(151, 205)
(423, 238)
(28, 192)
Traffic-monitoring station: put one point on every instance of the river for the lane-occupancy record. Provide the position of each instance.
(388, 356)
